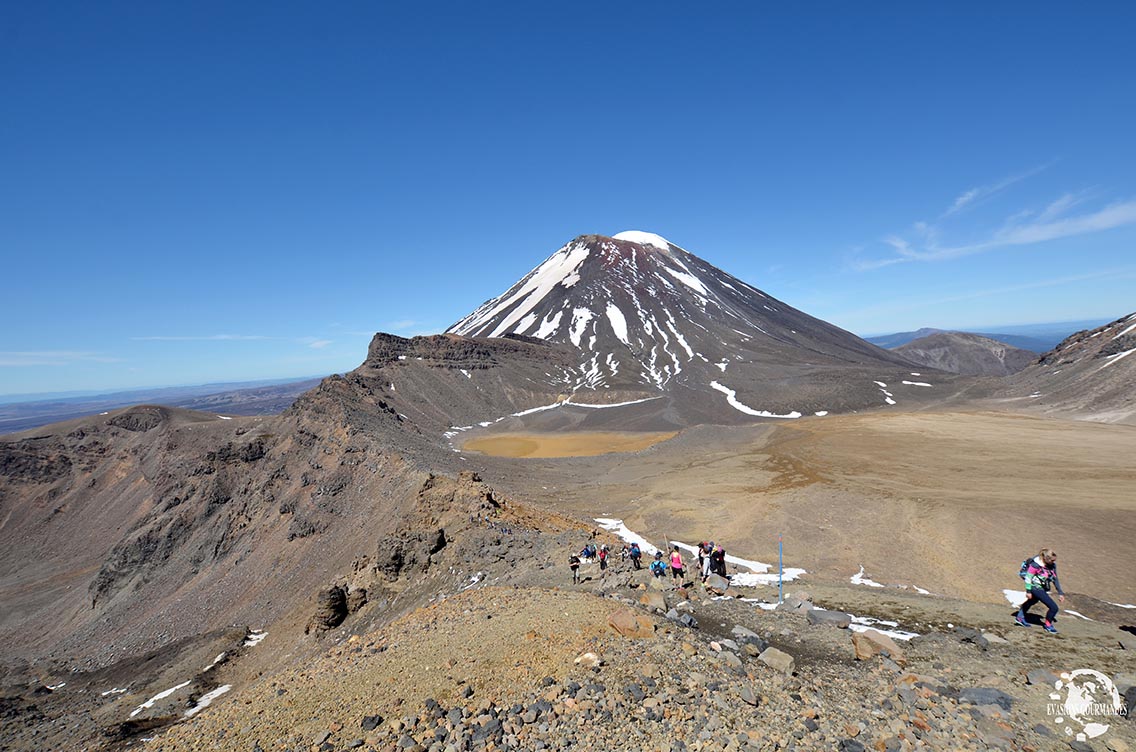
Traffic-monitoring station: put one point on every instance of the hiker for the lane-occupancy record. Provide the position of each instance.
(1039, 573)
(603, 557)
(574, 565)
(658, 566)
(676, 565)
(635, 553)
(704, 559)
(718, 561)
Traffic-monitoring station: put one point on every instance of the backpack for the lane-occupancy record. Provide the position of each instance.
(1024, 571)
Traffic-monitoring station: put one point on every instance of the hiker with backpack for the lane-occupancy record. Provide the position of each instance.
(603, 557)
(574, 565)
(636, 554)
(1039, 574)
(658, 566)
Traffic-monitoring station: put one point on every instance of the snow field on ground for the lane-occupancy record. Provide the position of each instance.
(759, 573)
(733, 400)
(160, 696)
(206, 699)
(860, 579)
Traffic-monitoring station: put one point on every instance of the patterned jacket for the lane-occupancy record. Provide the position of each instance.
(1039, 576)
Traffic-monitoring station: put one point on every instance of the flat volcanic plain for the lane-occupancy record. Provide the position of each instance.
(947, 501)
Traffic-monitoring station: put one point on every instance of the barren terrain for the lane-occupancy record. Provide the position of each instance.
(947, 501)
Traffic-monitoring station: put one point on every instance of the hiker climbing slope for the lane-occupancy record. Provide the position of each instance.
(1039, 573)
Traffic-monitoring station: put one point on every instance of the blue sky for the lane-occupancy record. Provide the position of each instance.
(205, 192)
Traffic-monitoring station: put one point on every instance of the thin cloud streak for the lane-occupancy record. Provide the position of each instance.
(982, 192)
(1017, 230)
(20, 359)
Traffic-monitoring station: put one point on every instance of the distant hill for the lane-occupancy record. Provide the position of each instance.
(234, 398)
(1089, 375)
(966, 354)
(1037, 338)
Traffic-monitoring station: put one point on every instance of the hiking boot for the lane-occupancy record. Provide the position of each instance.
(1020, 618)
(1049, 627)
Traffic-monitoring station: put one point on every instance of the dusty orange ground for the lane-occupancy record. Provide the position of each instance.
(564, 445)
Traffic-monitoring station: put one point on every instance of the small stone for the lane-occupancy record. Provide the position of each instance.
(1042, 677)
(588, 660)
(731, 661)
(985, 696)
(371, 722)
(778, 661)
(820, 617)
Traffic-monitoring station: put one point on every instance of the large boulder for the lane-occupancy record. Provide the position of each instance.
(717, 584)
(630, 624)
(870, 643)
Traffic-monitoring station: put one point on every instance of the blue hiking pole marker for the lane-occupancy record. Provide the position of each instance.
(780, 572)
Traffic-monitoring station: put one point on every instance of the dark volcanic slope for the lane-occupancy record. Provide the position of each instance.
(110, 524)
(646, 317)
(966, 354)
(1090, 375)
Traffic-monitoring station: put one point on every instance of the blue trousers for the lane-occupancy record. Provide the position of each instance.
(1037, 595)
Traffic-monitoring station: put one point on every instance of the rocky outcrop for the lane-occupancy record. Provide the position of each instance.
(408, 551)
(331, 610)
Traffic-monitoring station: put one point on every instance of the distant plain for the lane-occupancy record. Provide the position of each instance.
(947, 501)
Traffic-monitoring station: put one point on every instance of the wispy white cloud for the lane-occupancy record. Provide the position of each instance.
(202, 338)
(20, 359)
(401, 325)
(319, 343)
(1019, 229)
(980, 193)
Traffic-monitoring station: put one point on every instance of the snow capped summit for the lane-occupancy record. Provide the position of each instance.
(648, 316)
(644, 238)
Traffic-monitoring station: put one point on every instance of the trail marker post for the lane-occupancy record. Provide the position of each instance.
(780, 571)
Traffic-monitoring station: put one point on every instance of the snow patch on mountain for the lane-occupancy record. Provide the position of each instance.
(560, 269)
(643, 238)
(618, 323)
